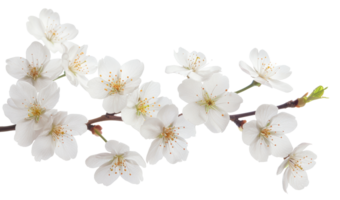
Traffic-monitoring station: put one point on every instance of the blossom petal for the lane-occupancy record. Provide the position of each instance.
(53, 69)
(98, 160)
(132, 70)
(283, 72)
(115, 103)
(13, 113)
(49, 18)
(37, 55)
(217, 122)
(108, 67)
(181, 56)
(298, 180)
(168, 115)
(184, 128)
(104, 175)
(43, 148)
(76, 124)
(49, 96)
(41, 82)
(283, 123)
(250, 132)
(35, 27)
(155, 152)
(190, 91)
(281, 146)
(259, 150)
(300, 148)
(195, 113)
(23, 94)
(307, 159)
(247, 69)
(129, 116)
(216, 85)
(150, 90)
(265, 113)
(253, 56)
(25, 133)
(284, 87)
(17, 67)
(67, 148)
(177, 69)
(176, 151)
(136, 157)
(285, 179)
(229, 102)
(282, 166)
(116, 147)
(96, 88)
(133, 173)
(151, 128)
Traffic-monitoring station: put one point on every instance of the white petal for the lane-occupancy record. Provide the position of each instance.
(59, 118)
(35, 27)
(53, 69)
(282, 166)
(184, 128)
(283, 123)
(298, 179)
(96, 88)
(49, 96)
(132, 70)
(181, 56)
(43, 148)
(190, 91)
(300, 148)
(151, 128)
(37, 55)
(129, 116)
(150, 90)
(176, 152)
(247, 69)
(108, 66)
(25, 133)
(250, 132)
(177, 69)
(284, 87)
(283, 72)
(13, 113)
(216, 85)
(155, 152)
(264, 114)
(67, 148)
(285, 179)
(133, 173)
(307, 159)
(22, 94)
(98, 160)
(116, 148)
(258, 56)
(217, 121)
(114, 103)
(76, 123)
(229, 102)
(260, 150)
(17, 67)
(168, 115)
(41, 82)
(104, 175)
(204, 74)
(136, 157)
(281, 146)
(49, 18)
(195, 113)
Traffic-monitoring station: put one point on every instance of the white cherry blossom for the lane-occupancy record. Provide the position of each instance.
(210, 102)
(120, 161)
(37, 69)
(192, 65)
(168, 132)
(266, 72)
(77, 65)
(48, 29)
(58, 137)
(115, 82)
(296, 164)
(30, 111)
(266, 135)
(143, 104)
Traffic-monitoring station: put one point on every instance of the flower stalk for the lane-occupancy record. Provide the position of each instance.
(254, 83)
(61, 76)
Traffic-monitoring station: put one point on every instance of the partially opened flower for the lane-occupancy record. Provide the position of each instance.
(48, 29)
(77, 65)
(30, 111)
(192, 65)
(266, 135)
(266, 72)
(210, 102)
(37, 69)
(58, 137)
(169, 132)
(120, 161)
(143, 104)
(296, 164)
(115, 82)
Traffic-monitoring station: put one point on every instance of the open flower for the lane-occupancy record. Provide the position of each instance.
(266, 135)
(77, 65)
(37, 69)
(143, 104)
(115, 83)
(57, 137)
(192, 65)
(48, 29)
(209, 103)
(119, 162)
(168, 132)
(265, 72)
(29, 111)
(296, 165)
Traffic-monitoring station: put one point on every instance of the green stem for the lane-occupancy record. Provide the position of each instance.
(100, 135)
(254, 83)
(61, 76)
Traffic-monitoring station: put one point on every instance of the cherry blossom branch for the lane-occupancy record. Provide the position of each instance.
(7, 128)
(106, 117)
(254, 83)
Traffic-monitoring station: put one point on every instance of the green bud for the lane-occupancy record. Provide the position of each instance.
(316, 94)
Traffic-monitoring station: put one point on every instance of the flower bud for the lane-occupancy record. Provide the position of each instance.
(96, 128)
(316, 94)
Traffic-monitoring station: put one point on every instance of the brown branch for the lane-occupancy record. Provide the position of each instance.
(107, 117)
(7, 128)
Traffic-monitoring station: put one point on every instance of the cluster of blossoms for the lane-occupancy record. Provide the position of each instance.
(206, 92)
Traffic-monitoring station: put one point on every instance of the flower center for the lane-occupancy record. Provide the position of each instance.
(52, 35)
(265, 132)
(207, 101)
(118, 164)
(34, 111)
(168, 133)
(142, 107)
(76, 65)
(117, 86)
(34, 72)
(193, 64)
